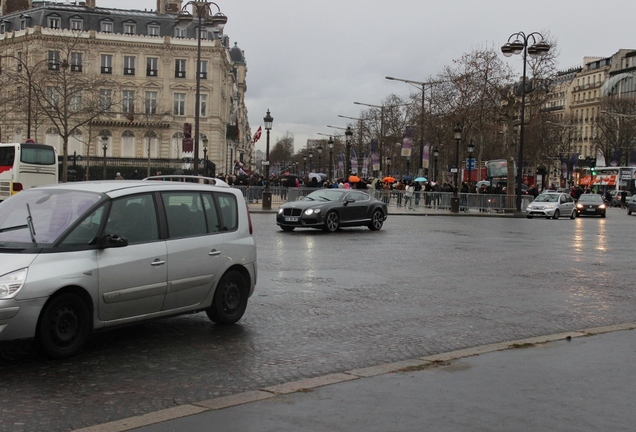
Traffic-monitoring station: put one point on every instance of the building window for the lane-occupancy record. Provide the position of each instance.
(129, 65)
(128, 101)
(54, 60)
(151, 102)
(179, 104)
(54, 22)
(105, 99)
(203, 103)
(130, 28)
(52, 96)
(76, 62)
(77, 24)
(179, 68)
(22, 24)
(204, 34)
(106, 26)
(153, 30)
(107, 64)
(203, 71)
(179, 32)
(151, 66)
(75, 103)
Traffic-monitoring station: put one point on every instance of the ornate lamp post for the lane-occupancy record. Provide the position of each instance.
(435, 157)
(538, 48)
(471, 149)
(311, 156)
(319, 148)
(104, 147)
(267, 195)
(388, 165)
(212, 22)
(348, 135)
(457, 131)
(330, 145)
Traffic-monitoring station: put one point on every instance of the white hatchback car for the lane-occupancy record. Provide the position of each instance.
(552, 205)
(78, 257)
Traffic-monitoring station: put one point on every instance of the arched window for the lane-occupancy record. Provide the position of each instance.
(176, 145)
(128, 144)
(151, 144)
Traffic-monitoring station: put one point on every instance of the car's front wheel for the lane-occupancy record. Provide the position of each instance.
(556, 214)
(332, 222)
(574, 214)
(629, 212)
(377, 220)
(230, 299)
(64, 326)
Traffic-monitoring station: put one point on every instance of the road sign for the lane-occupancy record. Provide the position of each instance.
(470, 164)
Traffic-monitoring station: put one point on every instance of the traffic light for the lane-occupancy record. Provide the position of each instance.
(593, 167)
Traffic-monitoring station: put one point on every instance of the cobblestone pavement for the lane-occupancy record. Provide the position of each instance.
(332, 302)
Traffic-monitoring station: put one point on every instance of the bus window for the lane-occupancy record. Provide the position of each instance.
(7, 156)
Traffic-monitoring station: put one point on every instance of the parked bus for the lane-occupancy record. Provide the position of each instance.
(609, 179)
(26, 165)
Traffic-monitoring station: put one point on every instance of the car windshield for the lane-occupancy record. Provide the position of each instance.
(590, 198)
(51, 212)
(324, 195)
(547, 198)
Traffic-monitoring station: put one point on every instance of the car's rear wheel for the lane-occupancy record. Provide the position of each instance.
(556, 214)
(332, 222)
(287, 228)
(377, 220)
(64, 326)
(529, 216)
(230, 299)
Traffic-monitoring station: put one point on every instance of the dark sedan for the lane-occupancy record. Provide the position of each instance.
(331, 209)
(591, 205)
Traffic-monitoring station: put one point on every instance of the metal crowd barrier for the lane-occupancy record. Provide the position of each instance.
(492, 203)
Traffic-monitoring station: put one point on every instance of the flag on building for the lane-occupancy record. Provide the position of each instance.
(258, 134)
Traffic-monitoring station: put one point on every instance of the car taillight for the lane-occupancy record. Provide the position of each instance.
(17, 187)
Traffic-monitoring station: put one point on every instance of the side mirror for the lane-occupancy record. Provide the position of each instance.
(113, 241)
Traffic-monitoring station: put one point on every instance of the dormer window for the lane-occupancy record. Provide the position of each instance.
(130, 28)
(106, 26)
(153, 29)
(54, 22)
(22, 24)
(179, 32)
(76, 24)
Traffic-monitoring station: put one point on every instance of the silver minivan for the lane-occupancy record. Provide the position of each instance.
(78, 257)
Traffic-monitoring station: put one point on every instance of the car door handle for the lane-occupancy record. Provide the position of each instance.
(214, 252)
(157, 262)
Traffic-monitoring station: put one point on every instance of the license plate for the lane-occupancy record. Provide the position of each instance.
(291, 219)
(591, 209)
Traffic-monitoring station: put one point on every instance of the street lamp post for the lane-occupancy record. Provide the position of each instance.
(319, 148)
(304, 164)
(267, 195)
(213, 22)
(471, 149)
(348, 135)
(311, 157)
(330, 145)
(435, 157)
(104, 147)
(457, 131)
(388, 166)
(538, 48)
(205, 155)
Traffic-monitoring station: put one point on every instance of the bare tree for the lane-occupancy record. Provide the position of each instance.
(615, 130)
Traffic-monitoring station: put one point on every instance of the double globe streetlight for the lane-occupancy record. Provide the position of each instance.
(267, 195)
(538, 48)
(213, 22)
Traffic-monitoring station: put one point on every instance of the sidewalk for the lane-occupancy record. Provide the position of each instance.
(577, 381)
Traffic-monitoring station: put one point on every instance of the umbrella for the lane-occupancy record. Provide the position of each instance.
(354, 179)
(406, 177)
(421, 179)
(388, 179)
(314, 175)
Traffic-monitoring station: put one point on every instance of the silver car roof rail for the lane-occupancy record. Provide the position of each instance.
(189, 179)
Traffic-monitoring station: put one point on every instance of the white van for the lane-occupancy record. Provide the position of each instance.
(78, 257)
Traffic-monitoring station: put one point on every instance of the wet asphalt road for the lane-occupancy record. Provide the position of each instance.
(327, 303)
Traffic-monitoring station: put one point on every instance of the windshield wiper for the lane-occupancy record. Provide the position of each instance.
(325, 198)
(31, 227)
(13, 228)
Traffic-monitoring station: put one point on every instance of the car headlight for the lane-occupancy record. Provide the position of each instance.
(580, 206)
(280, 210)
(602, 206)
(309, 212)
(11, 283)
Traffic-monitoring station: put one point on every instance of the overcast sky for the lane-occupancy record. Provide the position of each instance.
(308, 61)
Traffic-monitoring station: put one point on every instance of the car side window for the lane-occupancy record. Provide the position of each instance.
(86, 232)
(229, 211)
(185, 214)
(133, 217)
(211, 214)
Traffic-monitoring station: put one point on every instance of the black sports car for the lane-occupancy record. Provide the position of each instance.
(591, 205)
(330, 209)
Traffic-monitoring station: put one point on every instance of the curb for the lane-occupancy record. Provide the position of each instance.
(306, 385)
